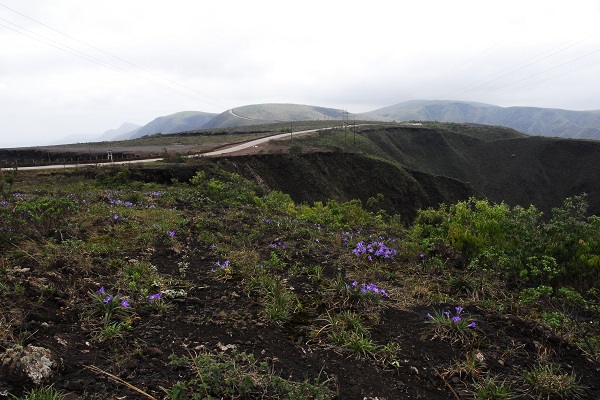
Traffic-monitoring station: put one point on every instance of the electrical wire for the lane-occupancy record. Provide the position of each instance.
(551, 77)
(515, 68)
(88, 57)
(485, 50)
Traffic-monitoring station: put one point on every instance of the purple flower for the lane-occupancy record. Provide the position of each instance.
(171, 233)
(108, 299)
(101, 290)
(456, 319)
(156, 296)
(459, 310)
(354, 284)
(429, 316)
(447, 314)
(116, 217)
(124, 303)
(472, 325)
(213, 246)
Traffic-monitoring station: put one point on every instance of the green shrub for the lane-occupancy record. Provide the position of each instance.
(562, 251)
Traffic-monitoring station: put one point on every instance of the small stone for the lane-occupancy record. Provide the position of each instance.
(32, 363)
(153, 352)
(479, 356)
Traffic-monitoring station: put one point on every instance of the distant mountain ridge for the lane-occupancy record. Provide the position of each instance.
(178, 122)
(112, 134)
(531, 120)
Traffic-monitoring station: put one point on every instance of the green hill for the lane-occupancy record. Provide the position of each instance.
(257, 114)
(178, 122)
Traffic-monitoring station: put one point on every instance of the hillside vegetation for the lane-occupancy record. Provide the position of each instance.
(215, 287)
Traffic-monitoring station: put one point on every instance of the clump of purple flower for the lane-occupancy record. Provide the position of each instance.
(455, 327)
(374, 250)
(121, 203)
(155, 297)
(221, 266)
(366, 289)
(109, 306)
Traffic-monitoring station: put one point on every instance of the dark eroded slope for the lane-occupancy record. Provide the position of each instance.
(518, 170)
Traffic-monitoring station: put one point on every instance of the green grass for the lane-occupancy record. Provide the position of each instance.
(235, 374)
(42, 393)
(549, 381)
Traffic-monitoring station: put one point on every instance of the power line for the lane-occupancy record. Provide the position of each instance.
(551, 77)
(480, 53)
(88, 57)
(515, 68)
(520, 67)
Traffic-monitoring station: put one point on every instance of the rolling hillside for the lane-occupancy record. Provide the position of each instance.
(270, 113)
(178, 122)
(531, 120)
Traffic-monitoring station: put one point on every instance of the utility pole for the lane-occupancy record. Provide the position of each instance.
(345, 122)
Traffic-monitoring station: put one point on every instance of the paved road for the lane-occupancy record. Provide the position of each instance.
(215, 153)
(239, 116)
(255, 142)
(83, 165)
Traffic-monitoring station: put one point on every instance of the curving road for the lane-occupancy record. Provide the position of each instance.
(255, 142)
(240, 116)
(214, 153)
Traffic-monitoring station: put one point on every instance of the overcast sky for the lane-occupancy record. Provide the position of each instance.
(83, 67)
